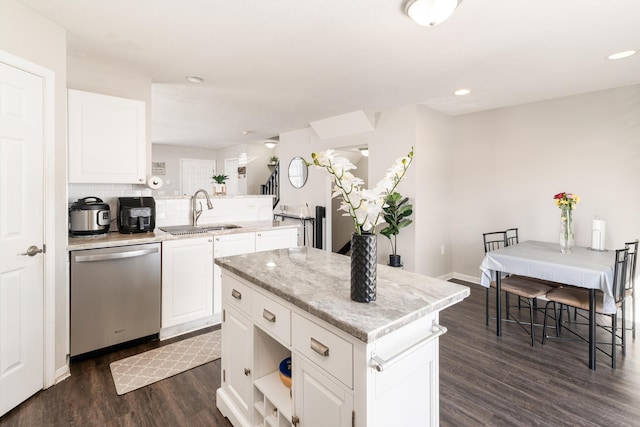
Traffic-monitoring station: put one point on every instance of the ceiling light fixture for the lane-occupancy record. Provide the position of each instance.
(621, 55)
(364, 151)
(461, 92)
(429, 13)
(270, 143)
(194, 79)
(243, 159)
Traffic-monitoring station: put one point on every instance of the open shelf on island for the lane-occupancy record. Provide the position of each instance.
(279, 395)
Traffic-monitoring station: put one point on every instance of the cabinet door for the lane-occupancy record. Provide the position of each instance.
(107, 142)
(276, 239)
(237, 347)
(234, 244)
(319, 401)
(187, 280)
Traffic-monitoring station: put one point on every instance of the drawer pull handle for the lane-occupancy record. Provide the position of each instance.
(268, 315)
(380, 364)
(319, 348)
(247, 371)
(236, 294)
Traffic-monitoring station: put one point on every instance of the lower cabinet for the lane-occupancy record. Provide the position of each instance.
(319, 400)
(191, 282)
(237, 348)
(276, 239)
(187, 280)
(337, 380)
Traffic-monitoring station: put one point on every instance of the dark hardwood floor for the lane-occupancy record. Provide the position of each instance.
(484, 381)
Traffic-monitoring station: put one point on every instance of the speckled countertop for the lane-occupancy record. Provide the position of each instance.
(319, 282)
(115, 238)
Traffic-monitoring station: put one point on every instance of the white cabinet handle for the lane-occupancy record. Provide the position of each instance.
(380, 364)
(236, 294)
(268, 315)
(319, 348)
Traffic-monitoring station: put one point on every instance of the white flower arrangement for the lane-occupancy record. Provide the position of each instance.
(364, 206)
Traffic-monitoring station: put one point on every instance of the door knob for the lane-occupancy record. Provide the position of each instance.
(32, 251)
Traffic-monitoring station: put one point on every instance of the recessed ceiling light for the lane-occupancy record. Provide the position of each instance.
(461, 92)
(620, 55)
(194, 79)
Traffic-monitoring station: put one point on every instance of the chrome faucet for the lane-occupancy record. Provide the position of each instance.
(195, 213)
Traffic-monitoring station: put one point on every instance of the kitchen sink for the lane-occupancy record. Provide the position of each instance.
(180, 230)
(218, 227)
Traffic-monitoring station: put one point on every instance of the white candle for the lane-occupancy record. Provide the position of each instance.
(598, 234)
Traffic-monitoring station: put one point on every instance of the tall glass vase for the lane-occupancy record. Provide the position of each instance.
(363, 267)
(567, 235)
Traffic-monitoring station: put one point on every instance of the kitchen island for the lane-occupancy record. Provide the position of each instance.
(353, 364)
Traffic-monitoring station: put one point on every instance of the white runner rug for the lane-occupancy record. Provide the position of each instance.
(163, 362)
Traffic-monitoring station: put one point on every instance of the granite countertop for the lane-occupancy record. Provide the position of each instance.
(318, 282)
(115, 238)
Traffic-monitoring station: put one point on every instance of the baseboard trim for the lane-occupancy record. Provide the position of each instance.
(466, 278)
(62, 374)
(185, 328)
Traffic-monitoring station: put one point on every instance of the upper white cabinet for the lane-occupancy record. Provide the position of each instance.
(107, 142)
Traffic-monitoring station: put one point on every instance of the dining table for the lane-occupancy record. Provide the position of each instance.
(582, 267)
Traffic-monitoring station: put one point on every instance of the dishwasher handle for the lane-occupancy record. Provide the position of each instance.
(115, 255)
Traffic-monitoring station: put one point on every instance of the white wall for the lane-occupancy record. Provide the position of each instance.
(433, 181)
(29, 36)
(508, 164)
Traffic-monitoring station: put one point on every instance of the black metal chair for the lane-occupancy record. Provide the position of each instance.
(522, 287)
(630, 292)
(579, 298)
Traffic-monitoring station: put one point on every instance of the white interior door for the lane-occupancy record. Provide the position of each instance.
(21, 227)
(231, 170)
(196, 174)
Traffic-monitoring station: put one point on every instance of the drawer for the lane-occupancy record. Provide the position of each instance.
(272, 317)
(329, 351)
(237, 294)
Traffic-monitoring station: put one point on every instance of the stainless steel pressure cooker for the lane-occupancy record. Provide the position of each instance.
(89, 216)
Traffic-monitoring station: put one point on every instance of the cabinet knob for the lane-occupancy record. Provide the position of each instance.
(247, 371)
(295, 420)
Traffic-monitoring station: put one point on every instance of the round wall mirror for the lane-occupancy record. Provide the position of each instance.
(297, 172)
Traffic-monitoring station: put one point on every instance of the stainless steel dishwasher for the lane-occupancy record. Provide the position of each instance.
(115, 296)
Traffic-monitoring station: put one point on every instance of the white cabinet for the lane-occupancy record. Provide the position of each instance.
(276, 239)
(187, 280)
(237, 378)
(338, 380)
(320, 401)
(229, 245)
(234, 244)
(107, 142)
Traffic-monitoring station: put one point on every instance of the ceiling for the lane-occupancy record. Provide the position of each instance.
(274, 66)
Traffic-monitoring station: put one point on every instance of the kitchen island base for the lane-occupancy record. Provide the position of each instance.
(338, 379)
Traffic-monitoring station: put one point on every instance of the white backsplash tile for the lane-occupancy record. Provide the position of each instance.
(177, 210)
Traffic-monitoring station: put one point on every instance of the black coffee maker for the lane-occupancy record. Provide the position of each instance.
(136, 214)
